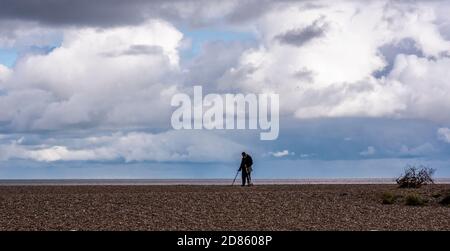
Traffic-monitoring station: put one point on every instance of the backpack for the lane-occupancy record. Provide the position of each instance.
(249, 161)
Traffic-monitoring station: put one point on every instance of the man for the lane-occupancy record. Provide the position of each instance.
(246, 168)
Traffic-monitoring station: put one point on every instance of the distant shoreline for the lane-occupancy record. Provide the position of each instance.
(130, 182)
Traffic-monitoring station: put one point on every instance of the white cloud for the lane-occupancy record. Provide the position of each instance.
(111, 76)
(424, 149)
(370, 151)
(321, 64)
(341, 62)
(4, 73)
(444, 134)
(280, 154)
(424, 86)
(55, 153)
(133, 146)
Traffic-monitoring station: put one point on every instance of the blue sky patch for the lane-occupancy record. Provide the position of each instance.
(201, 36)
(8, 57)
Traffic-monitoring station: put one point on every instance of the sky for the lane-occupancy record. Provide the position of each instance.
(85, 87)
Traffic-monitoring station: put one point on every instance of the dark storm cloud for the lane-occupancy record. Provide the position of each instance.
(80, 12)
(299, 37)
(120, 12)
(249, 10)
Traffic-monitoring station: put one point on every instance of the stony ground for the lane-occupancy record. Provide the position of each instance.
(269, 207)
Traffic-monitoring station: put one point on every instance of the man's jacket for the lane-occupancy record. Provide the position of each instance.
(247, 161)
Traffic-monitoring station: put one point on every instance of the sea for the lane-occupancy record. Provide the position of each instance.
(139, 182)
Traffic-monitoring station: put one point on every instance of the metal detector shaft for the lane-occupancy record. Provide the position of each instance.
(235, 177)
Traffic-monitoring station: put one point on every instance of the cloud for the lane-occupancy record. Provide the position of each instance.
(374, 61)
(114, 67)
(4, 73)
(365, 66)
(246, 11)
(170, 146)
(280, 154)
(107, 13)
(83, 12)
(213, 60)
(300, 36)
(96, 77)
(406, 46)
(421, 150)
(369, 152)
(136, 50)
(21, 34)
(444, 134)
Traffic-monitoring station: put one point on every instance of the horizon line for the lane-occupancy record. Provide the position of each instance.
(209, 181)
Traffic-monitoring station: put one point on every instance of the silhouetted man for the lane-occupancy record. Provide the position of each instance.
(246, 168)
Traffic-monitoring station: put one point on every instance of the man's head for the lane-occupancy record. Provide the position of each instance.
(244, 154)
